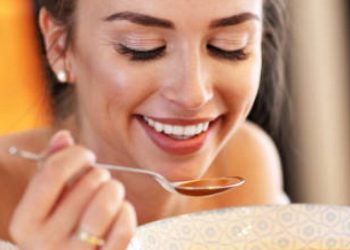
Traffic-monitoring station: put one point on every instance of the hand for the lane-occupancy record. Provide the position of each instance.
(67, 195)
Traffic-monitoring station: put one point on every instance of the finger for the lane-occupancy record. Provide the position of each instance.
(64, 219)
(47, 185)
(123, 229)
(101, 212)
(60, 140)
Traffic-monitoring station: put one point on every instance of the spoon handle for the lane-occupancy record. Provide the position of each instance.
(159, 178)
(129, 169)
(25, 154)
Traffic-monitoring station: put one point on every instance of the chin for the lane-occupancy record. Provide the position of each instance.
(182, 170)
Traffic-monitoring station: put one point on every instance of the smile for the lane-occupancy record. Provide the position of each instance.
(178, 136)
(177, 131)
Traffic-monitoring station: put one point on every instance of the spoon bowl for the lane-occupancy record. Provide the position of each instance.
(197, 187)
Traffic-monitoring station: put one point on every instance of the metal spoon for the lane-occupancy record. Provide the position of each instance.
(197, 187)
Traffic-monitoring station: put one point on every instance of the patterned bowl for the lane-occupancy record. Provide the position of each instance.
(255, 228)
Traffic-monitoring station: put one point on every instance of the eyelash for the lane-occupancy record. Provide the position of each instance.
(234, 55)
(147, 55)
(141, 55)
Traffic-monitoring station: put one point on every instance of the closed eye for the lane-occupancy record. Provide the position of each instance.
(233, 55)
(141, 55)
(145, 55)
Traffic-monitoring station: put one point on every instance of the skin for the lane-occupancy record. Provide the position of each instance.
(111, 90)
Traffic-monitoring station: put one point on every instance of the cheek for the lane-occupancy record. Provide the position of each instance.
(106, 84)
(240, 86)
(128, 87)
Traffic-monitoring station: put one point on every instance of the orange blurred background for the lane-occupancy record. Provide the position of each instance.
(22, 86)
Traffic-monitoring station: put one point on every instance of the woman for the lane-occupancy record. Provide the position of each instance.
(158, 84)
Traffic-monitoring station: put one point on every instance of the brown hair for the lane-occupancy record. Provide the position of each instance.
(267, 108)
(272, 99)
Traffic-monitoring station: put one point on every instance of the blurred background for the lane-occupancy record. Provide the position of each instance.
(22, 95)
(314, 136)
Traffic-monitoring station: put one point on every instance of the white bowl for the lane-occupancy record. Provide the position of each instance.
(255, 228)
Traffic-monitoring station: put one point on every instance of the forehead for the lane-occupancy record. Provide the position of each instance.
(176, 10)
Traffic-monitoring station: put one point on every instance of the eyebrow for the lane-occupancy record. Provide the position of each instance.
(234, 20)
(141, 19)
(147, 20)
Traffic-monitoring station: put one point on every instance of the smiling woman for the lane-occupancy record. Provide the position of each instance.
(147, 84)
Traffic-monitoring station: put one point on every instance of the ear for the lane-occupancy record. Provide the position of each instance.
(55, 39)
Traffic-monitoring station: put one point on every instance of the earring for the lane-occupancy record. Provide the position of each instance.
(62, 76)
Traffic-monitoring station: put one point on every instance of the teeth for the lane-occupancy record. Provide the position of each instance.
(159, 127)
(168, 129)
(152, 123)
(199, 128)
(206, 126)
(190, 130)
(180, 132)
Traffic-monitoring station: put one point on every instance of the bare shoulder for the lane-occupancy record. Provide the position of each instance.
(251, 144)
(251, 154)
(15, 173)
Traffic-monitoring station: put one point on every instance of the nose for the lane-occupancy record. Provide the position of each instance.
(189, 87)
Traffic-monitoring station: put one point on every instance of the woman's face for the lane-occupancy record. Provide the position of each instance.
(163, 84)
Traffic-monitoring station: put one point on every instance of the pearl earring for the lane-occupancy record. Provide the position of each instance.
(62, 76)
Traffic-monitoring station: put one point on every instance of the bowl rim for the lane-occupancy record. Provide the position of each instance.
(295, 206)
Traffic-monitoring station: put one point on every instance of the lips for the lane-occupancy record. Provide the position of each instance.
(176, 144)
(177, 131)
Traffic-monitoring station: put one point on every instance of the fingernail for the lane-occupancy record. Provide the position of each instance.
(61, 139)
(91, 156)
